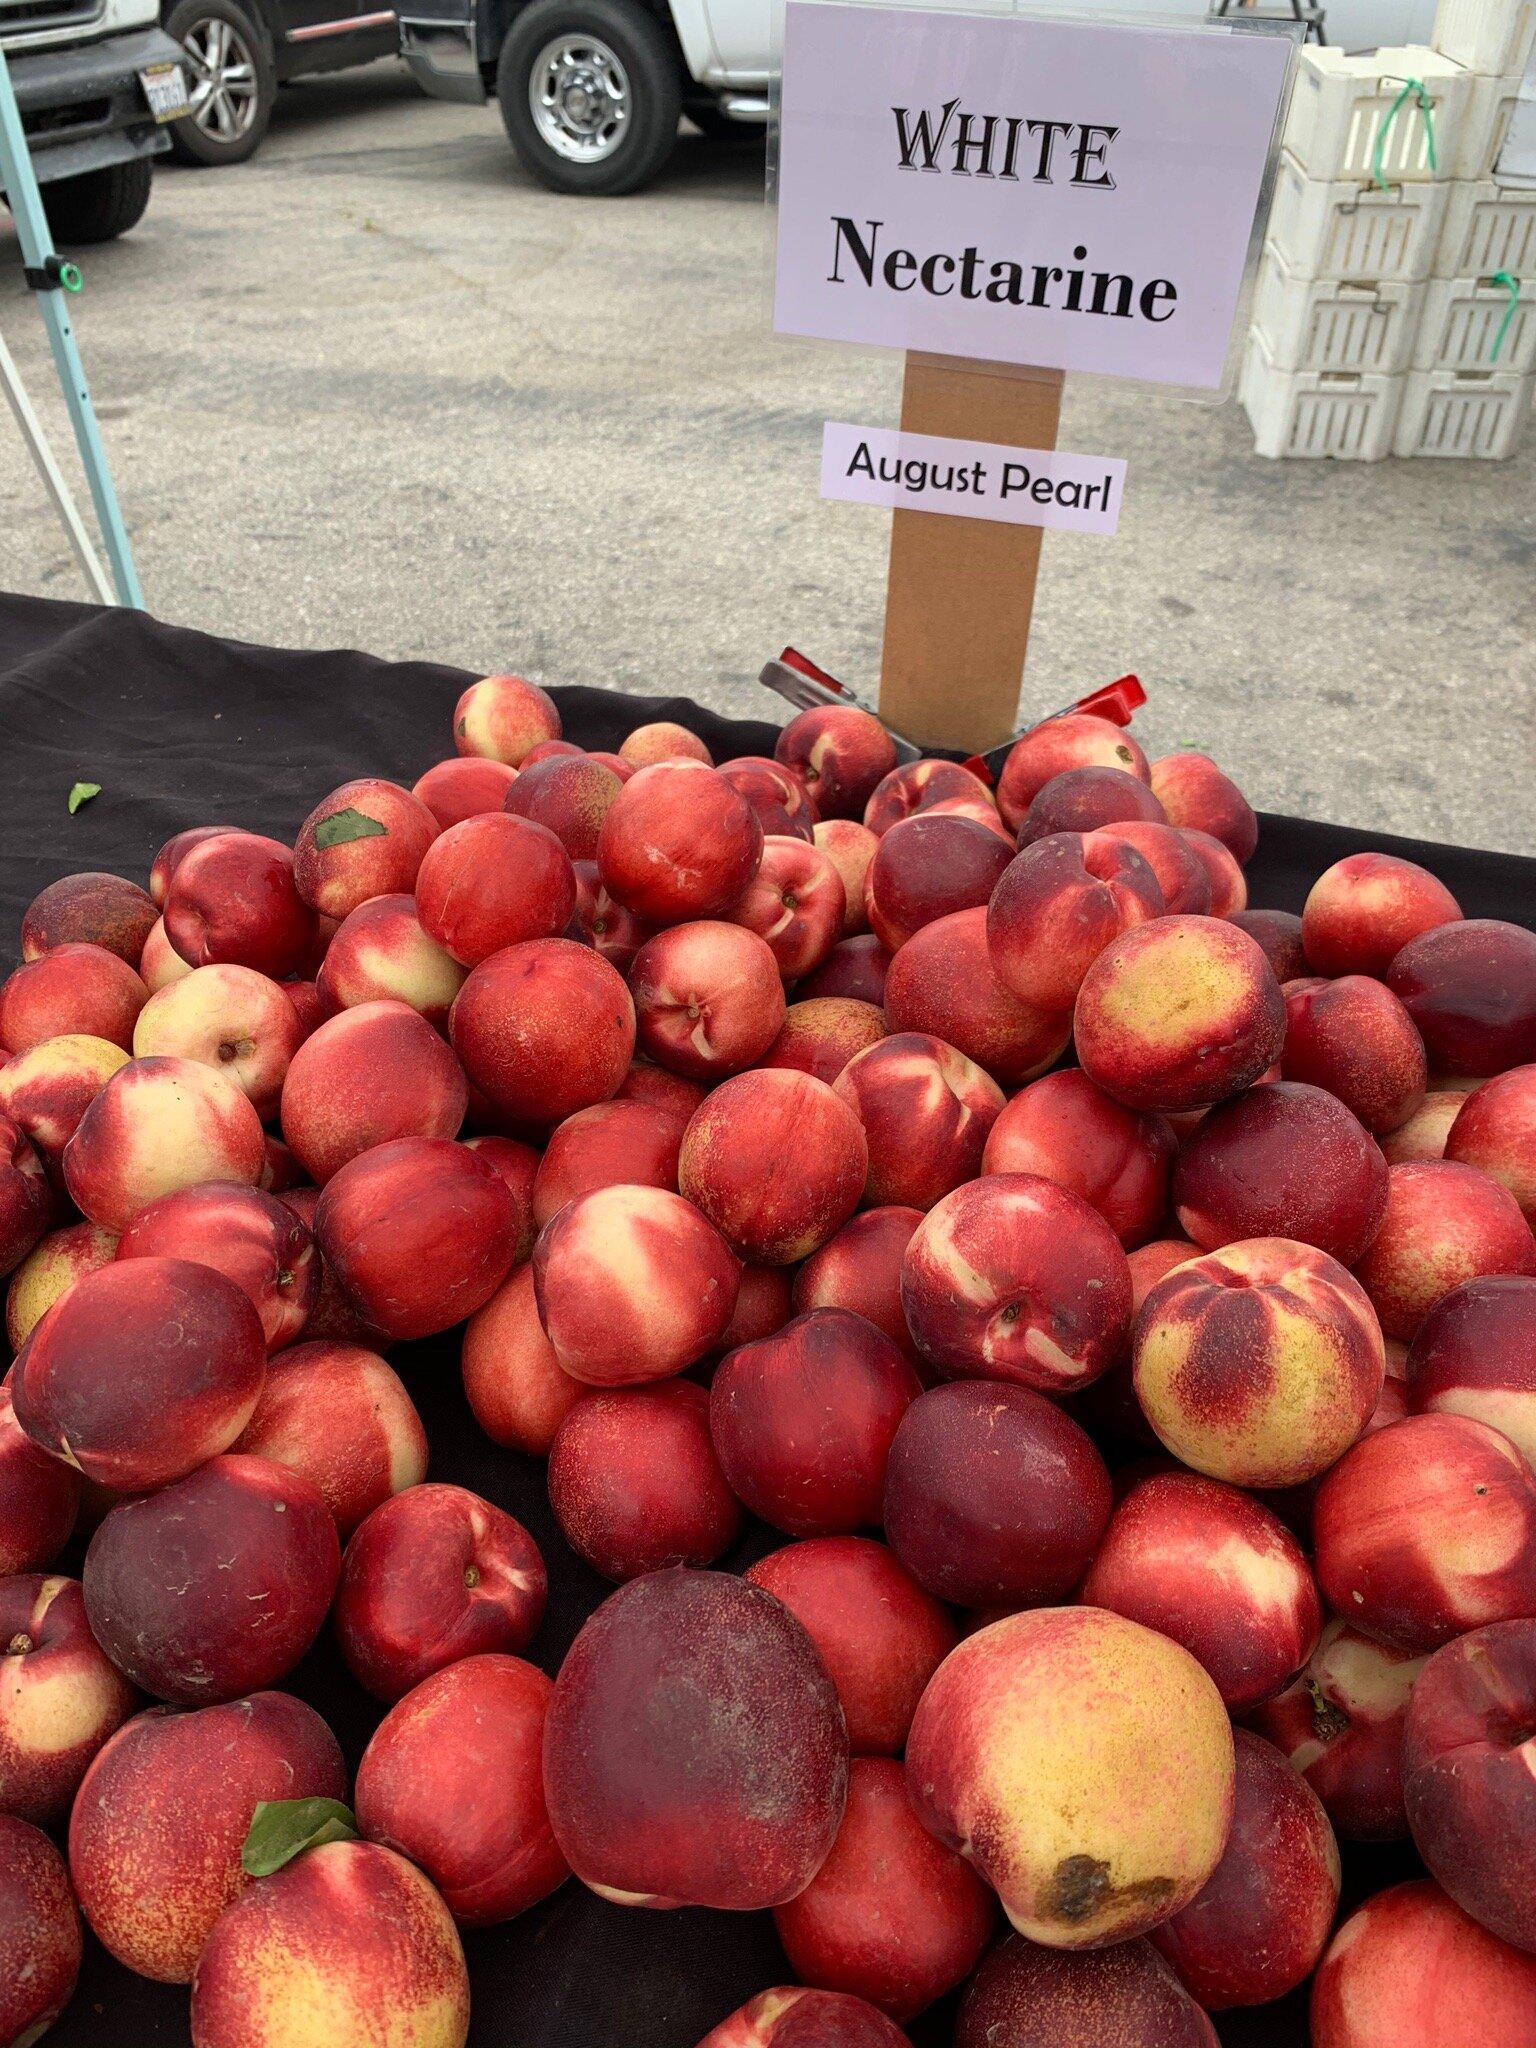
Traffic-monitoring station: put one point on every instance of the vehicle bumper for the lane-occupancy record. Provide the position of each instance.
(83, 108)
(438, 43)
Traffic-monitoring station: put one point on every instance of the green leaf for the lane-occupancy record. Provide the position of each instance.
(342, 827)
(284, 1828)
(82, 794)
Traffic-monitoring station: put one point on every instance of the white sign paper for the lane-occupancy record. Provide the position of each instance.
(971, 479)
(1065, 194)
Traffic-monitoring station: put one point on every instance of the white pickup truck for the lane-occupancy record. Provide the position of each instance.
(591, 90)
(96, 81)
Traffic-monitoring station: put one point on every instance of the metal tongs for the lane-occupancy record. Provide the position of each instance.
(794, 676)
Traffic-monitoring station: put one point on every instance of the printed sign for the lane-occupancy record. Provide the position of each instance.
(971, 479)
(1065, 194)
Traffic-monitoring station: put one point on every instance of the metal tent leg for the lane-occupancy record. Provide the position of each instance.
(1309, 15)
(47, 467)
(50, 277)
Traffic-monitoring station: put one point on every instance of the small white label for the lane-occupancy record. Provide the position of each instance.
(971, 479)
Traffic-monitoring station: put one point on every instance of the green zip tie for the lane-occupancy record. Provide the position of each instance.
(1413, 89)
(1511, 284)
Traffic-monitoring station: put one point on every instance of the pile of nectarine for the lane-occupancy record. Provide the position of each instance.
(1042, 1352)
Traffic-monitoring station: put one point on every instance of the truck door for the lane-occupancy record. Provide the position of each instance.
(742, 31)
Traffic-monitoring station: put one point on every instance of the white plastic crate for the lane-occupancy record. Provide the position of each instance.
(1462, 414)
(1342, 105)
(1484, 123)
(1463, 319)
(1488, 227)
(1314, 413)
(1329, 323)
(1493, 37)
(1336, 228)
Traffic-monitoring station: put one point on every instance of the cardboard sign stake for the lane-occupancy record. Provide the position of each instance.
(960, 593)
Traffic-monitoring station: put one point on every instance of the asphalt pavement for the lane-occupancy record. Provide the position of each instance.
(378, 389)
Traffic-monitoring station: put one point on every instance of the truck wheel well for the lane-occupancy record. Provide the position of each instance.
(497, 16)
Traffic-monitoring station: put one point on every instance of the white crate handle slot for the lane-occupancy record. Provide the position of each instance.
(1416, 90)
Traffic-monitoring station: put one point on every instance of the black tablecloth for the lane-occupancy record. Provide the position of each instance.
(181, 729)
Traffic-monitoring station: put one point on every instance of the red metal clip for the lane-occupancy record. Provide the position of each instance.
(797, 678)
(803, 665)
(1116, 701)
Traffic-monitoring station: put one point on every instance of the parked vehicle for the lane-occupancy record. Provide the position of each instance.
(591, 90)
(238, 52)
(97, 83)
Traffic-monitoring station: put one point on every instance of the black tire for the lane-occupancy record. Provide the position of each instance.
(652, 68)
(98, 206)
(193, 23)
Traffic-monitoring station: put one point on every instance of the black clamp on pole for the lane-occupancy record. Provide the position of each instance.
(56, 275)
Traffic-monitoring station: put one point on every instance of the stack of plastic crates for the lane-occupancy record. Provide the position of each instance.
(1396, 305)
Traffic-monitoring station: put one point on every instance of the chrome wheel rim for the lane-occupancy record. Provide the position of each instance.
(578, 95)
(223, 67)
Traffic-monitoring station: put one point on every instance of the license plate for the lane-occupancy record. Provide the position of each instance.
(165, 88)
